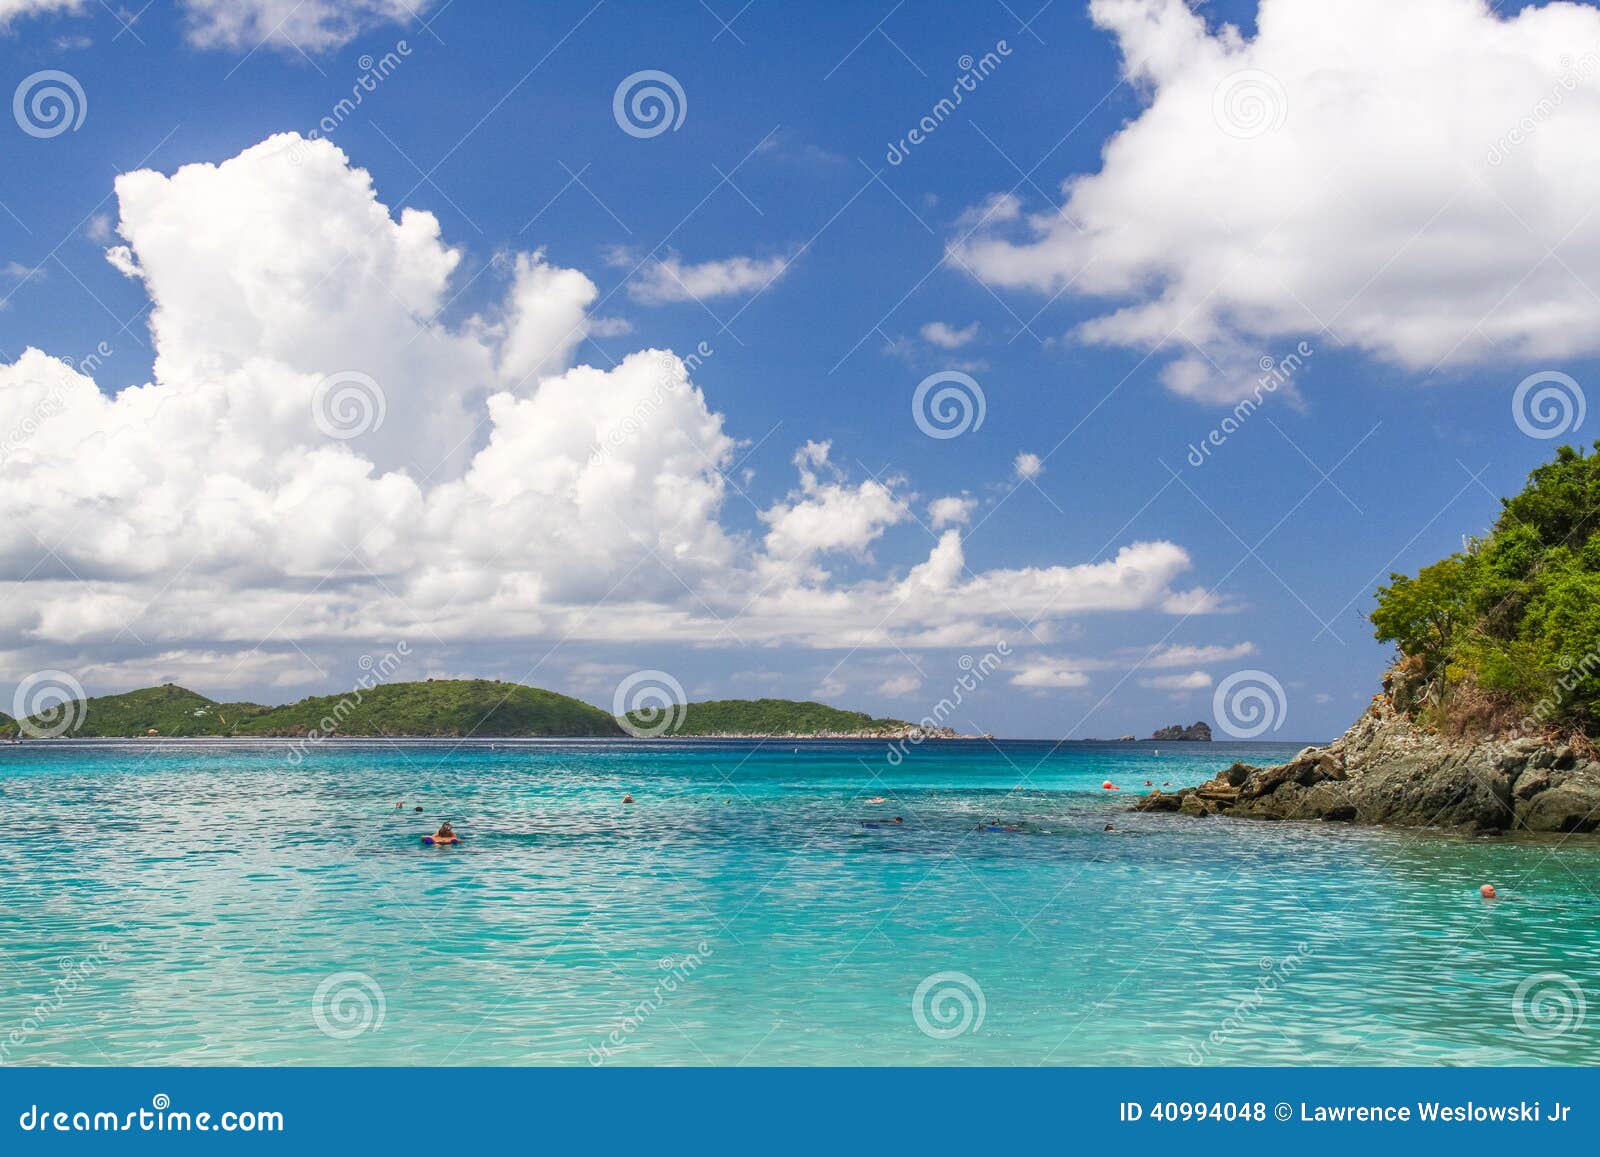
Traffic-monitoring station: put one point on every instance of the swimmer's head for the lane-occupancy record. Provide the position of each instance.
(1488, 892)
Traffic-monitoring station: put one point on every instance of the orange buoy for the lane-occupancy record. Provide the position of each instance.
(627, 799)
(1109, 786)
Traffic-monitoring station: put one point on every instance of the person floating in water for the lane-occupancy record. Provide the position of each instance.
(445, 835)
(1488, 892)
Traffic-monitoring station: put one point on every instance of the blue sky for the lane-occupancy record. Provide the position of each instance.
(1379, 455)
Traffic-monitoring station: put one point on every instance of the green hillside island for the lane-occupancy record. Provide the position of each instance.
(1504, 637)
(777, 718)
(441, 708)
(436, 708)
(165, 710)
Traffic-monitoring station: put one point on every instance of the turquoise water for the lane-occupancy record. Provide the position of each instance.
(215, 904)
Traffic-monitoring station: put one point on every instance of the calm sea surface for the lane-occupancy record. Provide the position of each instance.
(210, 903)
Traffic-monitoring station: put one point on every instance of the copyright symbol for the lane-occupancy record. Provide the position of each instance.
(1283, 1111)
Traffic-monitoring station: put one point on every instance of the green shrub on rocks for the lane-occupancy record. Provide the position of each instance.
(1505, 635)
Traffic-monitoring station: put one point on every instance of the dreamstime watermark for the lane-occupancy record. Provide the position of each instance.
(48, 704)
(48, 103)
(973, 73)
(636, 420)
(75, 973)
(52, 404)
(89, 364)
(1573, 73)
(1249, 703)
(374, 71)
(1548, 1004)
(1249, 103)
(160, 1117)
(948, 404)
(677, 974)
(1275, 374)
(1548, 404)
(649, 704)
(1275, 974)
(975, 672)
(948, 1004)
(348, 404)
(648, 103)
(348, 1004)
(373, 672)
(1573, 673)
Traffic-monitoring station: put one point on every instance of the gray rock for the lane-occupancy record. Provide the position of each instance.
(1389, 770)
(1199, 731)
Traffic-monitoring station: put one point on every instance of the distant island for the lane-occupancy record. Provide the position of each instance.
(790, 719)
(446, 708)
(1198, 732)
(1490, 719)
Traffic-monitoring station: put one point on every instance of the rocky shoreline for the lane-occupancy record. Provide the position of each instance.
(1389, 770)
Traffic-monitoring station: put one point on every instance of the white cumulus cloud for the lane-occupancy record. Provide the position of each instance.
(952, 510)
(947, 337)
(320, 462)
(668, 279)
(1046, 675)
(1335, 174)
(1193, 681)
(900, 686)
(12, 9)
(309, 25)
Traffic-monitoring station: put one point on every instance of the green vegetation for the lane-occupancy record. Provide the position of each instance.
(443, 707)
(438, 707)
(8, 726)
(1506, 634)
(168, 710)
(770, 717)
(435, 708)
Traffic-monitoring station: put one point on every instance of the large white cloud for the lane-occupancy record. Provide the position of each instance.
(249, 497)
(1417, 177)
